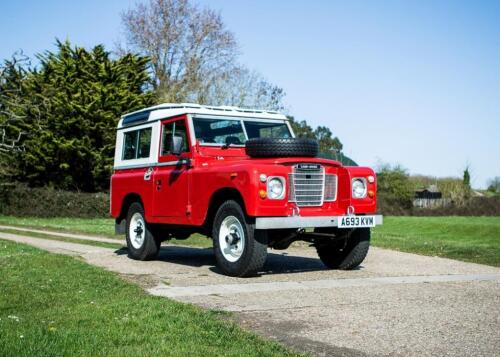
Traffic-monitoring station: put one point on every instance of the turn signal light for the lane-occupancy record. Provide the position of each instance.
(371, 193)
(263, 194)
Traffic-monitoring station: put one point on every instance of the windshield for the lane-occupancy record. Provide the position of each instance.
(231, 131)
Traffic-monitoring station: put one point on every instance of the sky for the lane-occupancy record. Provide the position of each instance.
(414, 82)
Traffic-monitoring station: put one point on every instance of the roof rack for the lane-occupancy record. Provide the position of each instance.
(143, 114)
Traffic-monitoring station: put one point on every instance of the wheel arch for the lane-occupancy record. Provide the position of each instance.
(126, 202)
(217, 199)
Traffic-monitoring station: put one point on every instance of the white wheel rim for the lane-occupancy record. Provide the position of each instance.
(137, 230)
(231, 239)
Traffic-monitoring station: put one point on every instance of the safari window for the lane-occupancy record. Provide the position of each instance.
(136, 144)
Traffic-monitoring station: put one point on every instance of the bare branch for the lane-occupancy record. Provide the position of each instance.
(193, 56)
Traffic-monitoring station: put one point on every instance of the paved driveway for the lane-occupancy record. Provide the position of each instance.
(395, 304)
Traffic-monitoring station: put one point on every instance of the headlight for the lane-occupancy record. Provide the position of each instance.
(276, 188)
(358, 188)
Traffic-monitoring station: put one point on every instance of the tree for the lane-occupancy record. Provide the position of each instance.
(194, 57)
(494, 184)
(394, 185)
(327, 143)
(330, 147)
(75, 97)
(301, 128)
(14, 110)
(466, 178)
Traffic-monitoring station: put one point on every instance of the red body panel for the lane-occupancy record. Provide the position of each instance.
(181, 194)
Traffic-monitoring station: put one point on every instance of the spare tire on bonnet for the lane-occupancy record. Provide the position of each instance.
(274, 147)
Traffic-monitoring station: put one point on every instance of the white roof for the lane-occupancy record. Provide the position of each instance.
(168, 110)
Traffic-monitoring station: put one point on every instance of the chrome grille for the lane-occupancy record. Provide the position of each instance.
(307, 185)
(330, 188)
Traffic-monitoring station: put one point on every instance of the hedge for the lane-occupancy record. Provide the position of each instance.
(476, 206)
(22, 201)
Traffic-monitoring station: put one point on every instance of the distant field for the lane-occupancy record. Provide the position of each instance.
(473, 239)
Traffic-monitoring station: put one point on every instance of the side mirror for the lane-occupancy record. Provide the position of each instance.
(176, 145)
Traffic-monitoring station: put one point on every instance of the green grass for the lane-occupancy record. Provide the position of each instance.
(471, 239)
(104, 227)
(96, 226)
(56, 305)
(116, 245)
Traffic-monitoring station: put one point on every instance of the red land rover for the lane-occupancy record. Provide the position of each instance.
(240, 177)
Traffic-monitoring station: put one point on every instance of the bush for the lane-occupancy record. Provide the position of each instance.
(22, 201)
(476, 206)
(395, 188)
(392, 207)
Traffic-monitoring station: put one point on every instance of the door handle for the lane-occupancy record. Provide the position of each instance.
(147, 174)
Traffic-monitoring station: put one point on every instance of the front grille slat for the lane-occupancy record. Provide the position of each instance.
(307, 186)
(310, 186)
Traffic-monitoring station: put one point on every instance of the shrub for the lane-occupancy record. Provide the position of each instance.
(20, 200)
(395, 188)
(476, 206)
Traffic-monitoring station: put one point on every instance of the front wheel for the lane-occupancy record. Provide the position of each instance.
(142, 243)
(239, 249)
(347, 251)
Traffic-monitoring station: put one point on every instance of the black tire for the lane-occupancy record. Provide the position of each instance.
(142, 249)
(272, 147)
(254, 247)
(344, 254)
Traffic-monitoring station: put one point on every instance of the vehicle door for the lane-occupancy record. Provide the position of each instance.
(171, 178)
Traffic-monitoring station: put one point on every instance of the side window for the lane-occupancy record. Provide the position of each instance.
(130, 145)
(175, 128)
(144, 143)
(137, 144)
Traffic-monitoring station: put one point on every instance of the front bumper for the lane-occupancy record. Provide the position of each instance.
(303, 222)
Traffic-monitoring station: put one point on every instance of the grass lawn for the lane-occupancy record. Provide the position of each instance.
(473, 239)
(57, 305)
(104, 227)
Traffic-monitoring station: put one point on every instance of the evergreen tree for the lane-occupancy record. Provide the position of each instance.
(78, 96)
(466, 179)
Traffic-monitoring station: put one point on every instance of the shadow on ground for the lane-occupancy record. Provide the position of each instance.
(276, 263)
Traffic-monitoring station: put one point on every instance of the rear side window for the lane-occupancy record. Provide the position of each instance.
(136, 144)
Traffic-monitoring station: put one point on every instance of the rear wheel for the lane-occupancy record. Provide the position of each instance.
(347, 251)
(142, 243)
(239, 249)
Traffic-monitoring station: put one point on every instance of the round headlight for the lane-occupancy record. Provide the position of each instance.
(358, 188)
(275, 188)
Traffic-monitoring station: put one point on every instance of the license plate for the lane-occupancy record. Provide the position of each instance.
(356, 221)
